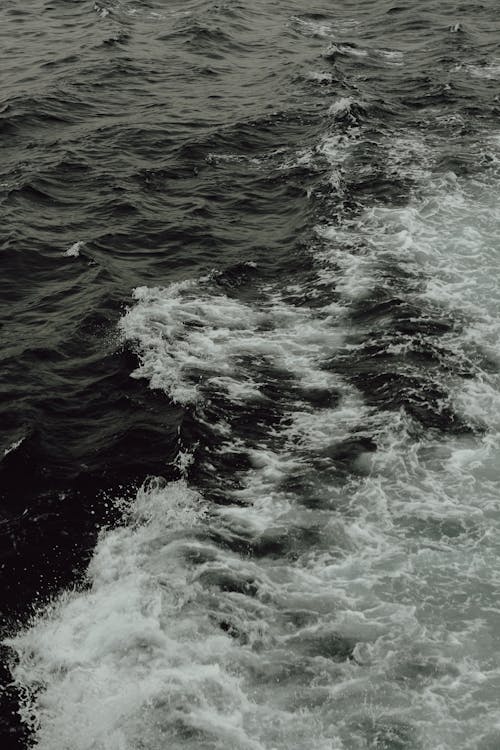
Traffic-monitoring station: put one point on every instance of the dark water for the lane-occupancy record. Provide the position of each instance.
(250, 375)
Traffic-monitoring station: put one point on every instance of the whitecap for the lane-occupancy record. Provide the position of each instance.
(320, 76)
(13, 446)
(341, 107)
(74, 250)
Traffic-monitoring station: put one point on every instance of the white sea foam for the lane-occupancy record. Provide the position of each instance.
(341, 106)
(448, 219)
(320, 76)
(74, 250)
(188, 339)
(13, 446)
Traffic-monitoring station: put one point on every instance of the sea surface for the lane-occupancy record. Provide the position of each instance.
(250, 375)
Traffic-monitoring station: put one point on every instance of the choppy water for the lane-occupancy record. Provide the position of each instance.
(250, 375)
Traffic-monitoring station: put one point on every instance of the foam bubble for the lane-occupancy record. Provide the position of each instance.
(341, 107)
(188, 339)
(13, 446)
(320, 76)
(74, 250)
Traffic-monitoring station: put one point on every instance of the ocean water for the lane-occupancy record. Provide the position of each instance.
(250, 468)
